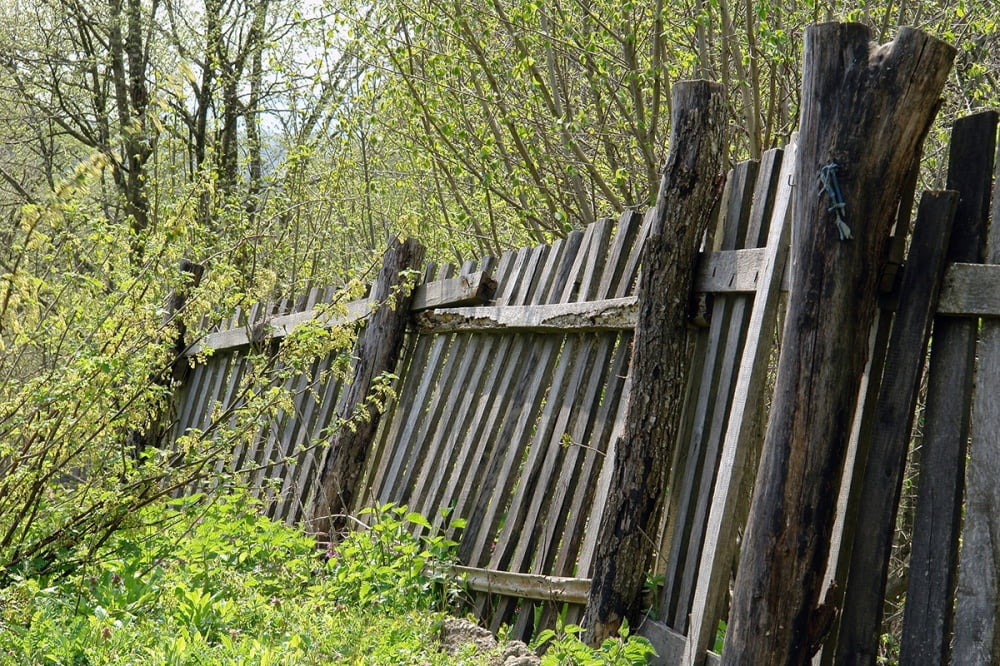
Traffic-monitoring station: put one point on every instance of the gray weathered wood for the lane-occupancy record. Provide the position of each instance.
(471, 289)
(977, 609)
(865, 417)
(737, 334)
(659, 364)
(852, 115)
(406, 446)
(606, 315)
(542, 356)
(469, 424)
(550, 474)
(703, 395)
(669, 644)
(928, 614)
(736, 460)
(524, 585)
(971, 289)
(881, 470)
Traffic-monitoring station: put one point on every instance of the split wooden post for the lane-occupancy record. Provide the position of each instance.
(376, 352)
(688, 192)
(929, 612)
(865, 112)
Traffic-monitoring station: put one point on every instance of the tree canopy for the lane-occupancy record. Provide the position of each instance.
(278, 143)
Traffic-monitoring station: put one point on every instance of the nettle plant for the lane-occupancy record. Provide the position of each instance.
(400, 561)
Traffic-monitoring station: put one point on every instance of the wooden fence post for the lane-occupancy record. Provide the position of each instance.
(376, 352)
(660, 359)
(865, 112)
(928, 614)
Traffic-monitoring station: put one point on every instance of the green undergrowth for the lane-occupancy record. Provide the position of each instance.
(213, 582)
(210, 581)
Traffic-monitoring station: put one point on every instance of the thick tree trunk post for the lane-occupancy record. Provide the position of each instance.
(660, 359)
(376, 352)
(865, 108)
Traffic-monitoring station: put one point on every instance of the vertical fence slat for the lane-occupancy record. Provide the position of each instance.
(928, 614)
(882, 469)
(737, 460)
(977, 610)
(703, 395)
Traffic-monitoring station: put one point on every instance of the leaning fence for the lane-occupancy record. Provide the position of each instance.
(511, 391)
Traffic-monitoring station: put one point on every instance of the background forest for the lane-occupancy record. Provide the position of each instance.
(278, 142)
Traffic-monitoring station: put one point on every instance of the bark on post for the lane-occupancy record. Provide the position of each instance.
(376, 352)
(688, 191)
(866, 109)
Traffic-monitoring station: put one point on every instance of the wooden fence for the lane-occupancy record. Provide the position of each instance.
(508, 404)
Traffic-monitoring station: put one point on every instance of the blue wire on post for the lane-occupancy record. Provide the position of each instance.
(828, 183)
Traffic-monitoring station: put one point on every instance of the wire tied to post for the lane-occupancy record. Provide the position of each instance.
(828, 183)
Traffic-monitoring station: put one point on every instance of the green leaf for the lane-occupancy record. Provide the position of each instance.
(418, 519)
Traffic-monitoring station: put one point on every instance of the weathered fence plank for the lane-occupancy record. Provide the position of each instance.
(388, 485)
(977, 609)
(544, 353)
(552, 472)
(971, 289)
(468, 423)
(928, 614)
(525, 585)
(702, 396)
(852, 121)
(881, 473)
(614, 314)
(466, 289)
(737, 457)
(730, 319)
